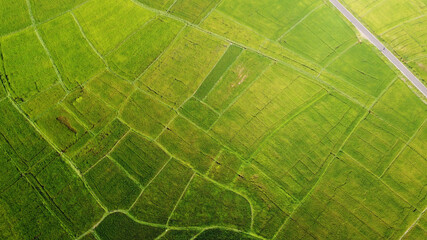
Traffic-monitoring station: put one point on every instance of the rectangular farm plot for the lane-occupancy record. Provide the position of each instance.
(75, 59)
(270, 203)
(20, 137)
(276, 94)
(111, 184)
(205, 203)
(220, 68)
(43, 101)
(44, 10)
(186, 141)
(157, 201)
(24, 216)
(350, 203)
(375, 143)
(141, 158)
(183, 66)
(401, 108)
(91, 111)
(62, 128)
(199, 113)
(146, 114)
(110, 89)
(98, 19)
(296, 153)
(28, 69)
(142, 48)
(100, 145)
(406, 174)
(192, 10)
(158, 4)
(225, 168)
(322, 35)
(14, 14)
(363, 68)
(66, 193)
(244, 71)
(269, 17)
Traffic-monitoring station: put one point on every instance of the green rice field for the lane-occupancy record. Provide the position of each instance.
(211, 120)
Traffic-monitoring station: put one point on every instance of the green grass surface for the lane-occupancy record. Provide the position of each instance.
(210, 120)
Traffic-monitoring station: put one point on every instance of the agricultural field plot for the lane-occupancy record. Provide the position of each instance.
(209, 120)
(401, 26)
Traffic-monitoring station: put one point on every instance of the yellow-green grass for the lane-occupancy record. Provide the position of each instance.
(140, 157)
(142, 48)
(350, 203)
(114, 188)
(99, 21)
(183, 66)
(272, 18)
(157, 200)
(192, 10)
(27, 67)
(44, 10)
(75, 59)
(14, 16)
(205, 203)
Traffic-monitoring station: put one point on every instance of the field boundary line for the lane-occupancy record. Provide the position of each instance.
(300, 21)
(413, 225)
(401, 24)
(55, 67)
(406, 145)
(209, 13)
(180, 197)
(149, 182)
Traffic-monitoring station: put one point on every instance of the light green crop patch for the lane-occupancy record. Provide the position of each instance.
(45, 9)
(91, 111)
(141, 158)
(193, 10)
(276, 94)
(43, 101)
(75, 59)
(112, 186)
(99, 20)
(146, 114)
(297, 166)
(321, 36)
(350, 203)
(28, 69)
(408, 177)
(14, 16)
(244, 71)
(142, 48)
(100, 145)
(375, 143)
(62, 128)
(158, 4)
(364, 69)
(401, 108)
(188, 142)
(110, 89)
(67, 195)
(199, 113)
(205, 203)
(272, 17)
(157, 201)
(271, 204)
(21, 140)
(120, 226)
(225, 168)
(183, 66)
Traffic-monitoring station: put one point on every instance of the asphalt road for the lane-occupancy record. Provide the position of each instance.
(393, 59)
